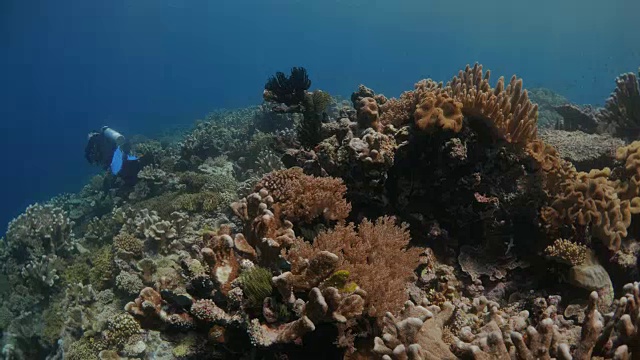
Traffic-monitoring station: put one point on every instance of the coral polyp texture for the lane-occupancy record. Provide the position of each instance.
(434, 225)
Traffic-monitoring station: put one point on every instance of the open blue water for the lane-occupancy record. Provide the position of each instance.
(141, 66)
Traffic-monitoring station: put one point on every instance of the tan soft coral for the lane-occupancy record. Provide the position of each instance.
(439, 111)
(376, 257)
(400, 112)
(368, 113)
(628, 184)
(590, 201)
(301, 197)
(509, 110)
(555, 170)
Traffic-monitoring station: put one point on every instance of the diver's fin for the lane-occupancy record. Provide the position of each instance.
(116, 161)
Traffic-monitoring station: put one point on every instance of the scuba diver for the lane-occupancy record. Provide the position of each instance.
(110, 150)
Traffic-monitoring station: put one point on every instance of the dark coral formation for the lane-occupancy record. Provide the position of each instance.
(438, 225)
(621, 114)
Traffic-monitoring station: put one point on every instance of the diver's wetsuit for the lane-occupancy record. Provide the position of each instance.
(101, 149)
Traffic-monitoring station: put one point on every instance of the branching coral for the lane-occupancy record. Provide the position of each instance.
(300, 197)
(376, 257)
(40, 230)
(460, 162)
(416, 334)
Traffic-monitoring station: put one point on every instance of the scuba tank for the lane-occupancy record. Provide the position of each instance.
(113, 135)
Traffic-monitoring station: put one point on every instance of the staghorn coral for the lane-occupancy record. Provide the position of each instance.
(42, 270)
(215, 291)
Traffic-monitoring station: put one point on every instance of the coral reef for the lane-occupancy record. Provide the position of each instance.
(442, 224)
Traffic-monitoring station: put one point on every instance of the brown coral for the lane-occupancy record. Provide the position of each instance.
(221, 257)
(438, 111)
(621, 114)
(400, 112)
(368, 113)
(567, 251)
(300, 197)
(376, 257)
(509, 110)
(590, 201)
(416, 334)
(628, 184)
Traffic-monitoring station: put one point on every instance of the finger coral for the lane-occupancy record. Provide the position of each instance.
(508, 109)
(416, 334)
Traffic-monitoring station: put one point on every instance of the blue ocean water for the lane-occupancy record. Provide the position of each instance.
(70, 66)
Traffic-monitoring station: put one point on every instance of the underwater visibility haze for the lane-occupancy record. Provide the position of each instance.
(320, 180)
